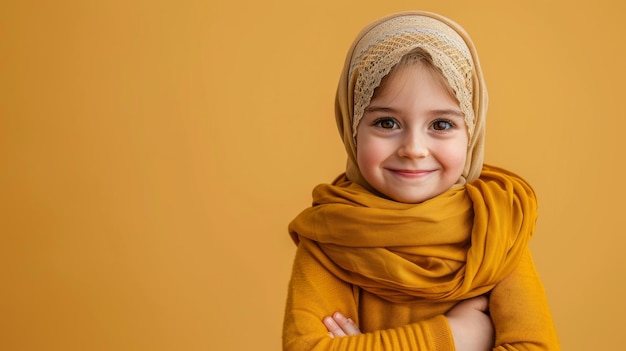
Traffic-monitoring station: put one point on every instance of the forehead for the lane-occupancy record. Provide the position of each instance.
(410, 91)
(402, 70)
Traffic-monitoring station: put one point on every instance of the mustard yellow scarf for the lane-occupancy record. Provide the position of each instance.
(454, 246)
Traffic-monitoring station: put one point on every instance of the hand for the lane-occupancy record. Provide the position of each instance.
(471, 327)
(339, 325)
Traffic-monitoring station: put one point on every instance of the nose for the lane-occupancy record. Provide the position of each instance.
(413, 146)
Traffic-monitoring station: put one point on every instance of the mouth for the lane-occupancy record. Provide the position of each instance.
(411, 173)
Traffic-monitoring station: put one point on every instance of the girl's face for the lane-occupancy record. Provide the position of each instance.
(412, 140)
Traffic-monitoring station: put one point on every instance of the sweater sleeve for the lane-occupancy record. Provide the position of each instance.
(315, 293)
(520, 312)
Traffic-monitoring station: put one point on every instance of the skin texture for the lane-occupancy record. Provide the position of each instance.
(412, 140)
(471, 327)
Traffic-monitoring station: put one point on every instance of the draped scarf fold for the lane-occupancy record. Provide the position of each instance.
(454, 246)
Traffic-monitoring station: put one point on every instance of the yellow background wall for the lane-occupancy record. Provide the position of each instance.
(153, 152)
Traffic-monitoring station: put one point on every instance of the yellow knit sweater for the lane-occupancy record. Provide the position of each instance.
(398, 301)
(518, 308)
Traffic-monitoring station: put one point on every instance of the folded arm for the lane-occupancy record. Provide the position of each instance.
(520, 312)
(517, 305)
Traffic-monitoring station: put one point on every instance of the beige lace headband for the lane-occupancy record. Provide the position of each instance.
(383, 47)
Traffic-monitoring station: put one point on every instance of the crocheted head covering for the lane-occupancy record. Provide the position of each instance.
(380, 46)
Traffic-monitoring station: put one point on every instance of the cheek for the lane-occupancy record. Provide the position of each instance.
(456, 156)
(368, 155)
(363, 156)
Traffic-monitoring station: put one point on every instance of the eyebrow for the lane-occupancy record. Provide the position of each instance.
(436, 112)
(371, 108)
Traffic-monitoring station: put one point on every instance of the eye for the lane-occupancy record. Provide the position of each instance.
(386, 123)
(442, 125)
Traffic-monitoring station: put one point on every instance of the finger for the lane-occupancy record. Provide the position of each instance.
(333, 328)
(346, 324)
(480, 303)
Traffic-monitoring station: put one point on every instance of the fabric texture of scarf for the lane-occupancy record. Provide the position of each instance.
(451, 247)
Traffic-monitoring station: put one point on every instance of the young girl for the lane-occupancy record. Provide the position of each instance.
(418, 246)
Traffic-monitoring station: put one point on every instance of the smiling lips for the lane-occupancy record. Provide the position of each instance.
(409, 173)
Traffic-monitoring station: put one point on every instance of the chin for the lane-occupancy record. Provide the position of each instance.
(410, 199)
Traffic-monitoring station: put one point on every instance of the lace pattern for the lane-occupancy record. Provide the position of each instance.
(384, 45)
